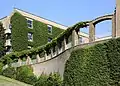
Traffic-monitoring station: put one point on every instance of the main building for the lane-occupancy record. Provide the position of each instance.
(24, 30)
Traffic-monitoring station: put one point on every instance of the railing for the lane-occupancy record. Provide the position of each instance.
(49, 56)
(8, 42)
(52, 54)
(7, 31)
(69, 45)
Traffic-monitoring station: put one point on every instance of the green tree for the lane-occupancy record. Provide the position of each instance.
(2, 40)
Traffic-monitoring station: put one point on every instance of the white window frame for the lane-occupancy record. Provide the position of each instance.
(31, 24)
(51, 29)
(32, 36)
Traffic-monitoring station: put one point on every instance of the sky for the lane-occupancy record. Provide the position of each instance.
(66, 12)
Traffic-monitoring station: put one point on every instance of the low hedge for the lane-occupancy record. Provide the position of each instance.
(98, 65)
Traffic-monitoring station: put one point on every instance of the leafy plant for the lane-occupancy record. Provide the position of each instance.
(9, 72)
(2, 40)
(24, 73)
(97, 65)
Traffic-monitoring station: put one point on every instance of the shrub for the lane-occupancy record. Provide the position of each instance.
(51, 80)
(54, 80)
(2, 40)
(98, 65)
(1, 66)
(9, 72)
(31, 79)
(42, 80)
(24, 73)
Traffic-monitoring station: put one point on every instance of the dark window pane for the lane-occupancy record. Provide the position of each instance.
(49, 39)
(49, 29)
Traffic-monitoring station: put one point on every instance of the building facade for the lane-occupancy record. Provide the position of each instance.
(24, 30)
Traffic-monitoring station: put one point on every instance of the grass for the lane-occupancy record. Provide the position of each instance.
(4, 81)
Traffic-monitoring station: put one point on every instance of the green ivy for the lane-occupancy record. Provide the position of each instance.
(46, 47)
(98, 65)
(20, 31)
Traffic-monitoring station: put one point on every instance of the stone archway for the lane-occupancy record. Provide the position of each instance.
(98, 20)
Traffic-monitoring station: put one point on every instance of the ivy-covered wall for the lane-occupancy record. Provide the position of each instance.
(20, 32)
(98, 65)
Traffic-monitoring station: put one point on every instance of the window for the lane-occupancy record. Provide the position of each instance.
(30, 23)
(30, 37)
(10, 26)
(49, 39)
(49, 29)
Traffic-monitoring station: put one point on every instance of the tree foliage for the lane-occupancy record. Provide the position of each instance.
(98, 65)
(2, 40)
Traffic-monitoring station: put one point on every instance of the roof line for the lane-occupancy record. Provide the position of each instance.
(40, 17)
(3, 17)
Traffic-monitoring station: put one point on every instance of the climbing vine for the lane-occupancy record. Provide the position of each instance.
(20, 31)
(46, 47)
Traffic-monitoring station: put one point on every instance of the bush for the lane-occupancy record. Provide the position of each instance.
(24, 73)
(51, 80)
(1, 67)
(31, 79)
(54, 80)
(98, 65)
(42, 80)
(9, 72)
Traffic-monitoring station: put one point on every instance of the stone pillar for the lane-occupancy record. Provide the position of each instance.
(19, 62)
(37, 58)
(57, 49)
(114, 26)
(117, 18)
(51, 52)
(91, 32)
(28, 61)
(64, 44)
(75, 38)
(45, 57)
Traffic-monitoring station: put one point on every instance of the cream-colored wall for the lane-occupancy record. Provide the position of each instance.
(5, 21)
(40, 19)
(85, 40)
(85, 37)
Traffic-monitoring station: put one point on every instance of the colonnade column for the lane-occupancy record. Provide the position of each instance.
(75, 38)
(117, 18)
(114, 25)
(91, 32)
